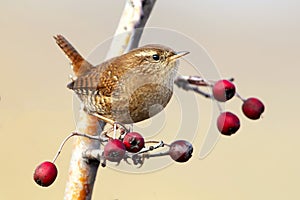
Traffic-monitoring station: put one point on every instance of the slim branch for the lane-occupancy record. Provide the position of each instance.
(130, 28)
(192, 83)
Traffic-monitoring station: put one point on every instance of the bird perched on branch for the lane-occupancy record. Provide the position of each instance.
(128, 88)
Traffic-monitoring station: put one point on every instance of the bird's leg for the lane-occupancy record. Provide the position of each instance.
(107, 120)
(115, 124)
(124, 128)
(115, 130)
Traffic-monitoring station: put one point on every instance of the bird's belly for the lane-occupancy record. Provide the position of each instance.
(143, 103)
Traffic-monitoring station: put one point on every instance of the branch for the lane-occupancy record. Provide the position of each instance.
(192, 83)
(130, 28)
(82, 174)
(137, 158)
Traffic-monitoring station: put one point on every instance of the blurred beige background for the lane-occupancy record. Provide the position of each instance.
(257, 42)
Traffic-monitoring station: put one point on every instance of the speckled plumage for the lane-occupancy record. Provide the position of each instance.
(128, 88)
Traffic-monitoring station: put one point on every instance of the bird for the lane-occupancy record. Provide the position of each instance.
(128, 88)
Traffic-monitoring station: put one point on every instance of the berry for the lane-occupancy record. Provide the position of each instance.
(223, 90)
(228, 123)
(253, 108)
(181, 151)
(114, 150)
(133, 142)
(45, 174)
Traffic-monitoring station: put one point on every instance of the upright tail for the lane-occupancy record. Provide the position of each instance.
(80, 65)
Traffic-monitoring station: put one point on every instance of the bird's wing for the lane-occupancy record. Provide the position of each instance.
(100, 78)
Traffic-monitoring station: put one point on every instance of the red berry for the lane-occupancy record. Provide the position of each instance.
(45, 174)
(223, 90)
(133, 142)
(253, 108)
(181, 150)
(114, 150)
(228, 123)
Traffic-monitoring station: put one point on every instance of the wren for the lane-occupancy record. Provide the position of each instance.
(128, 88)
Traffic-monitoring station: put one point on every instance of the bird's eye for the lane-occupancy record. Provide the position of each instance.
(155, 57)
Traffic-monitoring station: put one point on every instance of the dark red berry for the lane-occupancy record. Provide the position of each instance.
(114, 150)
(223, 90)
(181, 150)
(228, 123)
(45, 174)
(133, 142)
(253, 108)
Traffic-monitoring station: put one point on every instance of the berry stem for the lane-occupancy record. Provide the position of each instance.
(240, 97)
(219, 106)
(156, 154)
(157, 142)
(151, 148)
(71, 135)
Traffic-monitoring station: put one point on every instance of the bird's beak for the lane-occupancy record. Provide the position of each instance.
(178, 55)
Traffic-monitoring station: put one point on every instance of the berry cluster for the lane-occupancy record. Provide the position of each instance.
(133, 144)
(129, 145)
(222, 91)
(115, 149)
(228, 123)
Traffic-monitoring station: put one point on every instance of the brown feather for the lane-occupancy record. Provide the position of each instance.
(80, 65)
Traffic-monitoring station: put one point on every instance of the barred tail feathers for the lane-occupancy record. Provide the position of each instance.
(80, 65)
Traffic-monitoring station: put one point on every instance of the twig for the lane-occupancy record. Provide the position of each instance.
(151, 148)
(76, 134)
(156, 154)
(137, 158)
(192, 83)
